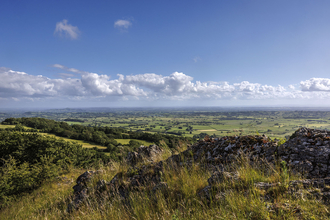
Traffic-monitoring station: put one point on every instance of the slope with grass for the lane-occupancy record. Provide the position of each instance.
(194, 185)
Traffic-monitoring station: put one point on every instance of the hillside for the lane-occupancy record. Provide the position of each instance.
(232, 177)
(117, 142)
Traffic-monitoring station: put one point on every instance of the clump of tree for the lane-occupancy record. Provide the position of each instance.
(74, 120)
(98, 135)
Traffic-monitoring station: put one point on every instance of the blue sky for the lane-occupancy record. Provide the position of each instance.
(164, 53)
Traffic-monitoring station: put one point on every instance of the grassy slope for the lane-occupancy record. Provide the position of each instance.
(6, 126)
(84, 143)
(126, 141)
(241, 200)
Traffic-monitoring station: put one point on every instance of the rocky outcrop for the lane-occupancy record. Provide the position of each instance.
(306, 152)
(145, 177)
(144, 154)
(81, 190)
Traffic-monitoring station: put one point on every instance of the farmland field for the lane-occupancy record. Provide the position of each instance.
(126, 141)
(194, 122)
(6, 126)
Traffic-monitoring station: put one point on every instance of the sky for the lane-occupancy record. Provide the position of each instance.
(59, 54)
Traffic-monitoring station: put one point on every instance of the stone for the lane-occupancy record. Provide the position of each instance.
(144, 154)
(306, 152)
(266, 186)
(162, 186)
(80, 190)
(221, 176)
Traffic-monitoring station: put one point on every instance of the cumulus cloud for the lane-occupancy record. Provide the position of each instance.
(176, 86)
(316, 84)
(122, 24)
(69, 31)
(291, 87)
(20, 84)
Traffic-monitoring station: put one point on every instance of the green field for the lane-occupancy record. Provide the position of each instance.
(83, 143)
(10, 126)
(276, 124)
(126, 141)
(6, 126)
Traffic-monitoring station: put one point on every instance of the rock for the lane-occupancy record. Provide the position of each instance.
(85, 177)
(206, 193)
(144, 154)
(146, 177)
(101, 185)
(266, 186)
(306, 152)
(80, 190)
(221, 176)
(162, 186)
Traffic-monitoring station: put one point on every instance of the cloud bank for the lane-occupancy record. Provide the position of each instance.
(69, 31)
(149, 86)
(316, 84)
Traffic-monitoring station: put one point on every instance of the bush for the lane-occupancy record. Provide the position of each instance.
(30, 159)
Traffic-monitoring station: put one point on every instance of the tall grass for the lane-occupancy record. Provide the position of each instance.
(238, 199)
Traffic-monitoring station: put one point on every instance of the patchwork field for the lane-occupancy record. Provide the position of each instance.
(195, 123)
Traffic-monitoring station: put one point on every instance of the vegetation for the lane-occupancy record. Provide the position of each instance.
(41, 159)
(238, 200)
(193, 122)
(28, 159)
(108, 139)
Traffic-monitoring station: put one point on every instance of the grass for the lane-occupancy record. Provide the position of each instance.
(83, 143)
(6, 126)
(238, 200)
(126, 141)
(11, 126)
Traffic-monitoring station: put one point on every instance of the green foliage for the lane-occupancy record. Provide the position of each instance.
(200, 136)
(284, 172)
(281, 141)
(28, 159)
(103, 136)
(133, 144)
(239, 199)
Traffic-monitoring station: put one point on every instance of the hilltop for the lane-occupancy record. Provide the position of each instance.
(231, 177)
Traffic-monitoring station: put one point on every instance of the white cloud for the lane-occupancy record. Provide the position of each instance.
(20, 84)
(66, 75)
(315, 84)
(150, 86)
(59, 66)
(196, 59)
(73, 70)
(122, 24)
(68, 30)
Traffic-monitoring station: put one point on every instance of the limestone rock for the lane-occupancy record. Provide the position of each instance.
(144, 154)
